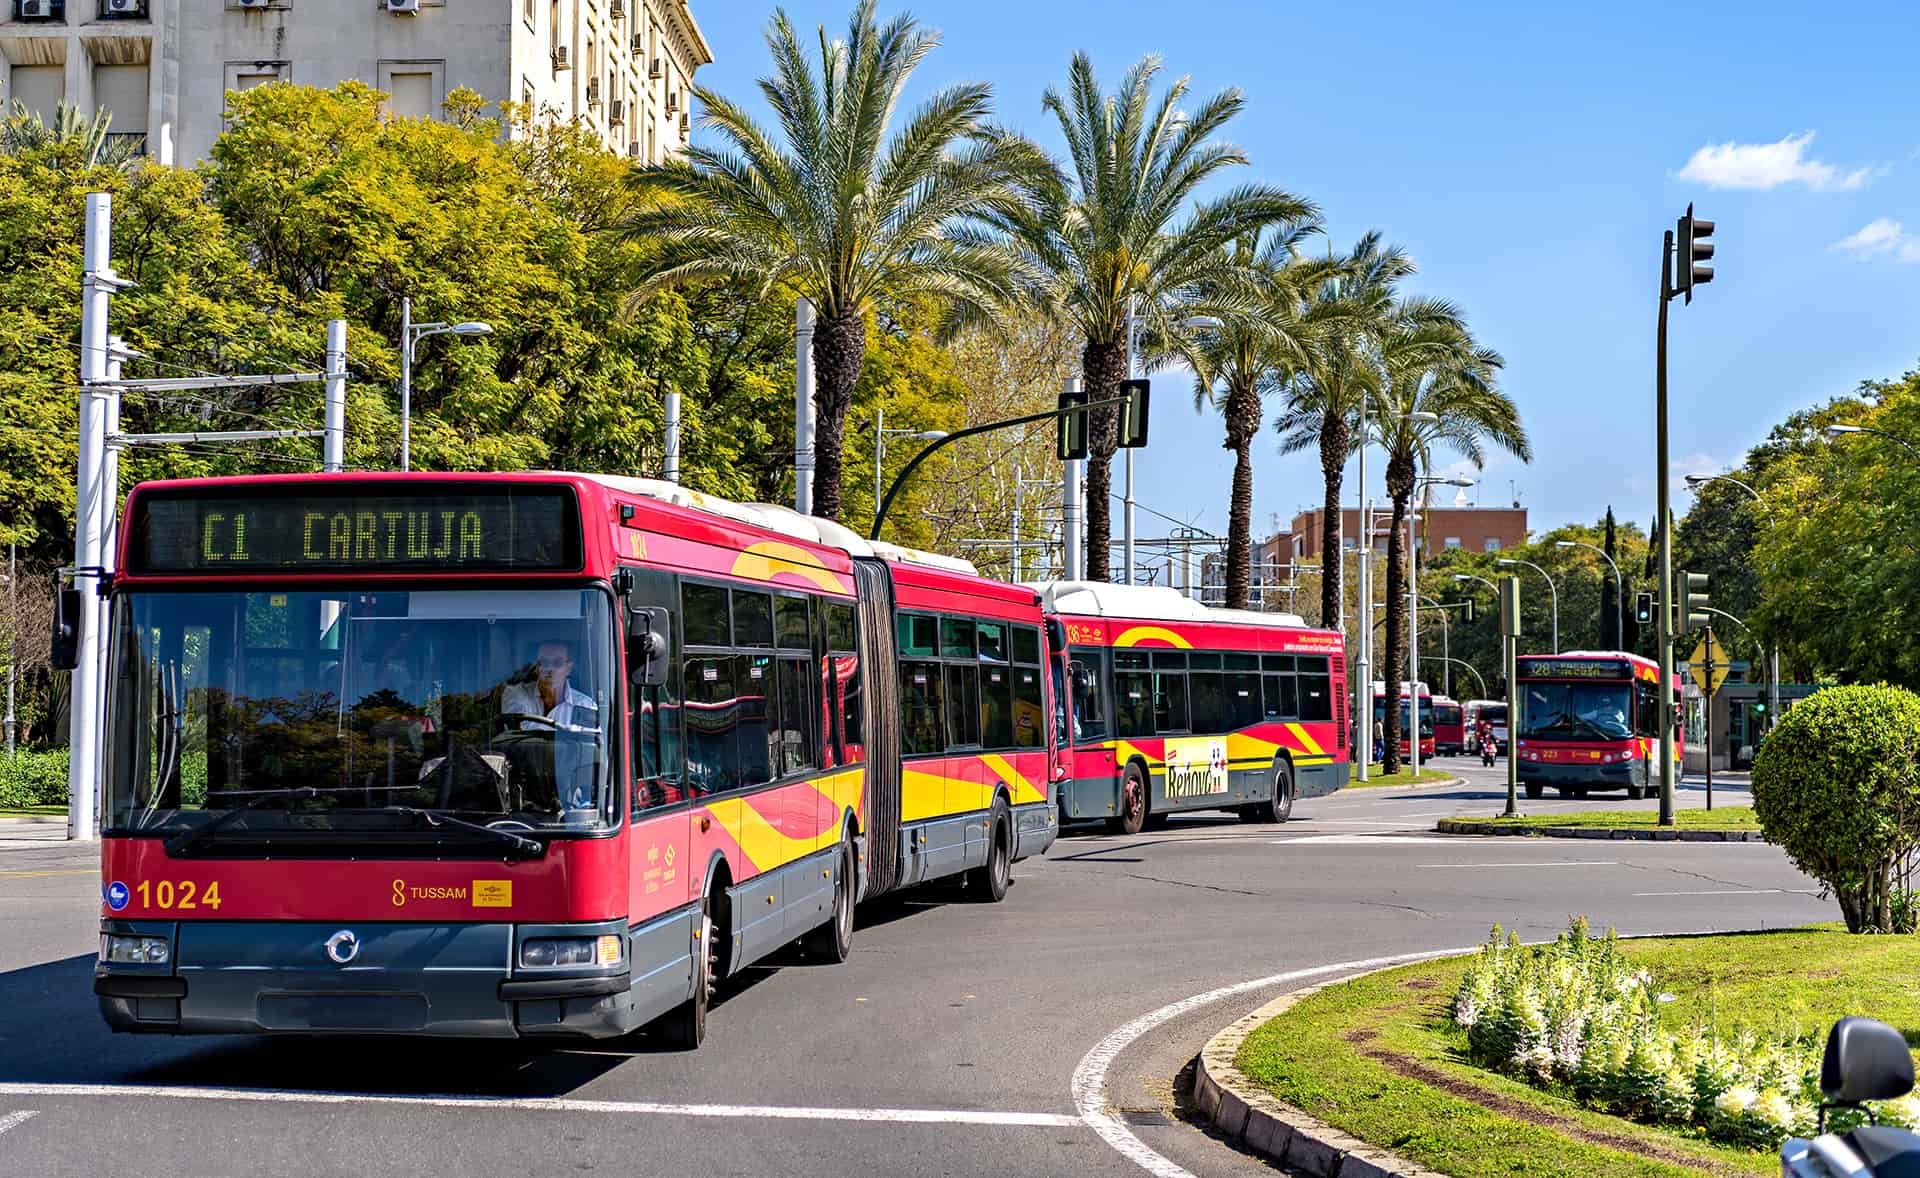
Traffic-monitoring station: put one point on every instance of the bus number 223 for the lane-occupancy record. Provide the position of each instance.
(181, 896)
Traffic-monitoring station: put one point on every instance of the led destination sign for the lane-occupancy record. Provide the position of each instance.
(1547, 668)
(488, 528)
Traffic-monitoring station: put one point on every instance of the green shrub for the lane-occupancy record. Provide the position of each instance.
(33, 779)
(1837, 786)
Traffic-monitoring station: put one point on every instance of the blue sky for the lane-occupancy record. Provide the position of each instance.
(1529, 157)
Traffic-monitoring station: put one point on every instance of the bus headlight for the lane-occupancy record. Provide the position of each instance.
(118, 949)
(552, 952)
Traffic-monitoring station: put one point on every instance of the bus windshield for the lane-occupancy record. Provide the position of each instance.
(354, 711)
(1426, 714)
(1575, 711)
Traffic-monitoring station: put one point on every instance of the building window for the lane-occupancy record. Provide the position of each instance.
(1346, 544)
(1493, 543)
(245, 75)
(1453, 541)
(122, 89)
(39, 88)
(414, 88)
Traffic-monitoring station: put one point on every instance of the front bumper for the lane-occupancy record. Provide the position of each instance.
(257, 977)
(1587, 775)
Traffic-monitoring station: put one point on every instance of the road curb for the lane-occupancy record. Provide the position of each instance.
(33, 820)
(1449, 783)
(1277, 1131)
(1624, 834)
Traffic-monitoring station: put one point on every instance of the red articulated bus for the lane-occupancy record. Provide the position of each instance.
(1181, 707)
(1590, 720)
(529, 755)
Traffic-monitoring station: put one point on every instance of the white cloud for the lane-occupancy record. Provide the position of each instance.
(1768, 165)
(1881, 238)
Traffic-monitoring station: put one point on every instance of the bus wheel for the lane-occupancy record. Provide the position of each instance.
(1281, 807)
(1133, 803)
(832, 942)
(1535, 789)
(685, 1026)
(1636, 792)
(988, 883)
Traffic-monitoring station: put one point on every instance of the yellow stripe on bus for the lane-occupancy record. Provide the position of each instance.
(1023, 791)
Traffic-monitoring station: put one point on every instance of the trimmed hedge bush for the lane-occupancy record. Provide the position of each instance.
(1837, 786)
(33, 779)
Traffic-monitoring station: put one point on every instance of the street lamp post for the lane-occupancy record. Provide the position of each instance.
(1696, 481)
(1619, 600)
(880, 435)
(1842, 430)
(1552, 592)
(411, 334)
(1446, 646)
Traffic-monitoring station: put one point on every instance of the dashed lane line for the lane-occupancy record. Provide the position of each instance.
(893, 1116)
(1536, 863)
(14, 1120)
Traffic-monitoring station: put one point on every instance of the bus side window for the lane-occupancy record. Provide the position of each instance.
(1316, 692)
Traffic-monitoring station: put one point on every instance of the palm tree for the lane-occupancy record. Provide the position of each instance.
(1238, 364)
(85, 140)
(1323, 394)
(1438, 392)
(1109, 230)
(838, 207)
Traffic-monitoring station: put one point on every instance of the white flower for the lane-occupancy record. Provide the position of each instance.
(1772, 1108)
(1734, 1101)
(1663, 998)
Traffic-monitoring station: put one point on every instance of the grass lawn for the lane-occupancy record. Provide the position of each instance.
(1404, 777)
(1379, 1057)
(34, 812)
(1718, 818)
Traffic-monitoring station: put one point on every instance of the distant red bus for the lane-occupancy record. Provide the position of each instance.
(1449, 726)
(534, 754)
(1180, 707)
(1590, 720)
(1407, 692)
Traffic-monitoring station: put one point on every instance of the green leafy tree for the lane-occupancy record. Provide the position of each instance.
(1117, 227)
(73, 141)
(838, 206)
(1438, 393)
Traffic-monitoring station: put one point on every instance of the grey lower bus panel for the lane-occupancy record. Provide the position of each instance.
(1035, 826)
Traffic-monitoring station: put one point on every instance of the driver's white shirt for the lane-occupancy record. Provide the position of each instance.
(523, 699)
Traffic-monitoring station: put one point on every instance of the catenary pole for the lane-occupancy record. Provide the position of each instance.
(406, 382)
(13, 636)
(803, 407)
(1126, 502)
(1073, 528)
(334, 451)
(671, 446)
(97, 284)
(1663, 514)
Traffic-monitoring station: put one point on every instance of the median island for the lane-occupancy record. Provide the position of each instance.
(1662, 1056)
(1726, 818)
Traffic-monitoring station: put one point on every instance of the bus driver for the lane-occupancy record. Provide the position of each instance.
(550, 694)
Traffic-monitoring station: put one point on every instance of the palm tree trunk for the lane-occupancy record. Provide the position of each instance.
(1102, 367)
(839, 352)
(1333, 469)
(1400, 481)
(1243, 422)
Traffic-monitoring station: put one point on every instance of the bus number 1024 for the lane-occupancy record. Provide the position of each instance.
(180, 896)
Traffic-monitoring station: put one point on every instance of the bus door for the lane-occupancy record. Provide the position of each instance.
(662, 875)
(1090, 730)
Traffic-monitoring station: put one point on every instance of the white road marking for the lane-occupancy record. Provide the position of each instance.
(896, 1116)
(14, 1120)
(1090, 1078)
(1371, 839)
(1735, 892)
(1540, 863)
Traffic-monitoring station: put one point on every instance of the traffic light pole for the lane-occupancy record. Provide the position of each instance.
(1663, 644)
(900, 480)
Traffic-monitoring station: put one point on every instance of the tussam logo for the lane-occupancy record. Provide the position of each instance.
(402, 892)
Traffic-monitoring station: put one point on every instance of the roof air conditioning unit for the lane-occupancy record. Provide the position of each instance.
(560, 58)
(124, 8)
(36, 9)
(404, 7)
(655, 68)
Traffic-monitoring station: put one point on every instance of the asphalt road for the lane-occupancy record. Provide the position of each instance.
(960, 1039)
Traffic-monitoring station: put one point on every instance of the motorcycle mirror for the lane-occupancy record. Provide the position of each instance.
(1865, 1060)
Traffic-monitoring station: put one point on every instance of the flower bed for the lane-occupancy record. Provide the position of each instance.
(1578, 1016)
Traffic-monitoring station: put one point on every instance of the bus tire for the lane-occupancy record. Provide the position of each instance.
(1280, 807)
(1133, 802)
(1535, 789)
(832, 942)
(988, 882)
(685, 1026)
(1636, 792)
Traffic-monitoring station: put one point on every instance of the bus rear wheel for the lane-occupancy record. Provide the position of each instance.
(988, 883)
(1535, 789)
(1280, 808)
(1133, 803)
(1636, 792)
(832, 942)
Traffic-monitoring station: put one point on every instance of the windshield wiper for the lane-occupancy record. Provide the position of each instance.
(526, 847)
(185, 840)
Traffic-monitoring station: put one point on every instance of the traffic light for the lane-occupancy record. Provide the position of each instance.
(1693, 249)
(1133, 415)
(1694, 600)
(1643, 609)
(1072, 425)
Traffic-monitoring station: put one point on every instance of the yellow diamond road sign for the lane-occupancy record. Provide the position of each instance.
(1709, 663)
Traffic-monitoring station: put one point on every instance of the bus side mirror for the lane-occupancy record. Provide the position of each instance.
(65, 655)
(647, 632)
